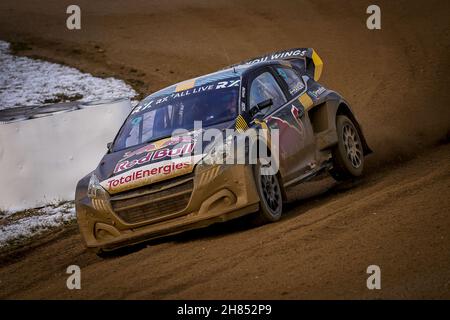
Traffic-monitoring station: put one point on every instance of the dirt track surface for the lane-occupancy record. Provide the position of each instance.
(396, 217)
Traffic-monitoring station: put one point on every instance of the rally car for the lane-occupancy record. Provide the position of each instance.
(162, 176)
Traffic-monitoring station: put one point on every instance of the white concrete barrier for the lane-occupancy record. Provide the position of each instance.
(44, 151)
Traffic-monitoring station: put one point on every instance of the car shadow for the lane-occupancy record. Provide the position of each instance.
(300, 200)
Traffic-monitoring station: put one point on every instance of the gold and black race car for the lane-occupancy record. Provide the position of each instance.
(174, 164)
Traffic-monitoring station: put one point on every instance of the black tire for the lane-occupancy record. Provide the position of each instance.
(270, 194)
(348, 154)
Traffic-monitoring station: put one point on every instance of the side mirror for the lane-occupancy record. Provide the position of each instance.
(260, 106)
(108, 146)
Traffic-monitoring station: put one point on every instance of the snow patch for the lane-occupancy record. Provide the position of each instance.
(13, 227)
(33, 82)
(30, 82)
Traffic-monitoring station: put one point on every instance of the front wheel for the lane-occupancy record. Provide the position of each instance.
(271, 200)
(348, 154)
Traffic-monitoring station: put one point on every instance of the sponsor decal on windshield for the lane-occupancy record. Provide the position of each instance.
(223, 84)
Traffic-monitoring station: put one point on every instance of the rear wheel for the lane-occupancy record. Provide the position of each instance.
(348, 155)
(271, 200)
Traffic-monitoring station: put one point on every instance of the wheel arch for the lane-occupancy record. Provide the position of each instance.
(344, 109)
(323, 120)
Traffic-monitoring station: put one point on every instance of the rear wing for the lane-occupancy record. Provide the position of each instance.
(306, 60)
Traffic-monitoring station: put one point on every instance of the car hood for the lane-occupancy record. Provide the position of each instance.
(152, 162)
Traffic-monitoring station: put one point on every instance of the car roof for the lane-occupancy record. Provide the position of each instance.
(231, 72)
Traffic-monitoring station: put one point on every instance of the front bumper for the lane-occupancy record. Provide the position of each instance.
(213, 194)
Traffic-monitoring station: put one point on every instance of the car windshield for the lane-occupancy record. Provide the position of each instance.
(158, 118)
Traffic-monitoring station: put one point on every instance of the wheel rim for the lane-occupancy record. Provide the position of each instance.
(352, 145)
(271, 192)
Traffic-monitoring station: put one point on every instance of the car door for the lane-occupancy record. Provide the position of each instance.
(294, 87)
(301, 135)
(285, 116)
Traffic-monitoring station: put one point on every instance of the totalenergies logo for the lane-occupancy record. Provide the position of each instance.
(161, 170)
